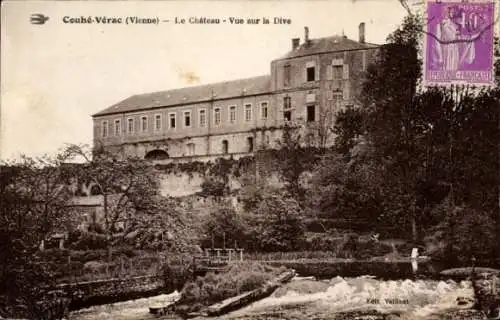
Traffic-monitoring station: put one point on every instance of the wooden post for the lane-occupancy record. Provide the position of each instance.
(241, 254)
(69, 268)
(121, 265)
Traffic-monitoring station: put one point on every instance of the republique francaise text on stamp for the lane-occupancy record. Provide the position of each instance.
(459, 42)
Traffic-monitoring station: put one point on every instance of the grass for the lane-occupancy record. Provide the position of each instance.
(239, 278)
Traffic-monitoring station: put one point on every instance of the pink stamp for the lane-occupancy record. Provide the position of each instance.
(459, 42)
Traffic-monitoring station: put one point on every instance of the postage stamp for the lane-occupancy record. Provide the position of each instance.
(459, 42)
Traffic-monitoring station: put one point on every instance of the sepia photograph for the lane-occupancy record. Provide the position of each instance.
(250, 160)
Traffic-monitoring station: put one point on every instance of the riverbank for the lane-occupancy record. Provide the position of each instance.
(117, 290)
(335, 298)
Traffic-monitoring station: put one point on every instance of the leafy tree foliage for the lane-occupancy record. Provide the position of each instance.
(224, 227)
(420, 147)
(277, 224)
(33, 204)
(134, 209)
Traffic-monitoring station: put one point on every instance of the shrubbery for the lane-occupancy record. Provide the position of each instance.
(239, 278)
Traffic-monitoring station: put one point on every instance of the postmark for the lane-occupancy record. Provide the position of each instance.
(459, 42)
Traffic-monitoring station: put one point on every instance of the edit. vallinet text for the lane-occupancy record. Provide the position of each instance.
(176, 20)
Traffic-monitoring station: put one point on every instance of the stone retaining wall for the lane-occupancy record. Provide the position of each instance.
(89, 293)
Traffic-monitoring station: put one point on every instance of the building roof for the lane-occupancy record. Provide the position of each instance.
(174, 97)
(328, 44)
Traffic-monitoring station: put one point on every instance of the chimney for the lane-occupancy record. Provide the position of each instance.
(362, 32)
(306, 35)
(295, 43)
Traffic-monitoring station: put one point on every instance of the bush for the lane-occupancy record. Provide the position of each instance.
(277, 224)
(239, 278)
(223, 224)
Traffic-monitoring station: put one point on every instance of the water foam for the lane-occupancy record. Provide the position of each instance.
(127, 310)
(415, 298)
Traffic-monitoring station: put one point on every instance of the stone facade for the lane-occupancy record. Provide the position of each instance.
(306, 88)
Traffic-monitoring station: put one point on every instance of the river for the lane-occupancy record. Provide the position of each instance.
(338, 298)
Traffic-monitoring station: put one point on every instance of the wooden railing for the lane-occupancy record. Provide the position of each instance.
(216, 258)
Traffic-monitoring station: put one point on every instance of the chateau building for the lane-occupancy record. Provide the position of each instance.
(305, 88)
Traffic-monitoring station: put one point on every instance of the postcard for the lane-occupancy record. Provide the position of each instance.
(250, 159)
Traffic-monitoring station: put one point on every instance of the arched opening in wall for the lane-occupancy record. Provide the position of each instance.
(250, 144)
(95, 190)
(225, 146)
(156, 155)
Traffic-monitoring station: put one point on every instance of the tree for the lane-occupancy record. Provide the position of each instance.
(294, 158)
(224, 227)
(277, 223)
(33, 204)
(131, 199)
(430, 144)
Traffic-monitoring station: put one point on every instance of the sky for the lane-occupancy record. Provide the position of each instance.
(54, 76)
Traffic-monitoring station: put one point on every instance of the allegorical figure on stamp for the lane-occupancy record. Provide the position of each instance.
(453, 48)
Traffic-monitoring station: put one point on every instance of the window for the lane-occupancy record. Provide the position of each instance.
(250, 144)
(286, 75)
(130, 125)
(311, 113)
(191, 149)
(311, 73)
(104, 129)
(158, 122)
(203, 117)
(338, 72)
(287, 108)
(263, 110)
(118, 127)
(232, 114)
(248, 112)
(187, 118)
(225, 147)
(172, 123)
(144, 123)
(217, 116)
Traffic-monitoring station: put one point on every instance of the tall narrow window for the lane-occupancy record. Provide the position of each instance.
(311, 74)
(104, 129)
(118, 127)
(287, 108)
(191, 149)
(311, 113)
(171, 117)
(203, 117)
(158, 122)
(225, 147)
(187, 118)
(250, 144)
(217, 116)
(232, 114)
(248, 112)
(130, 125)
(144, 123)
(286, 75)
(263, 110)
